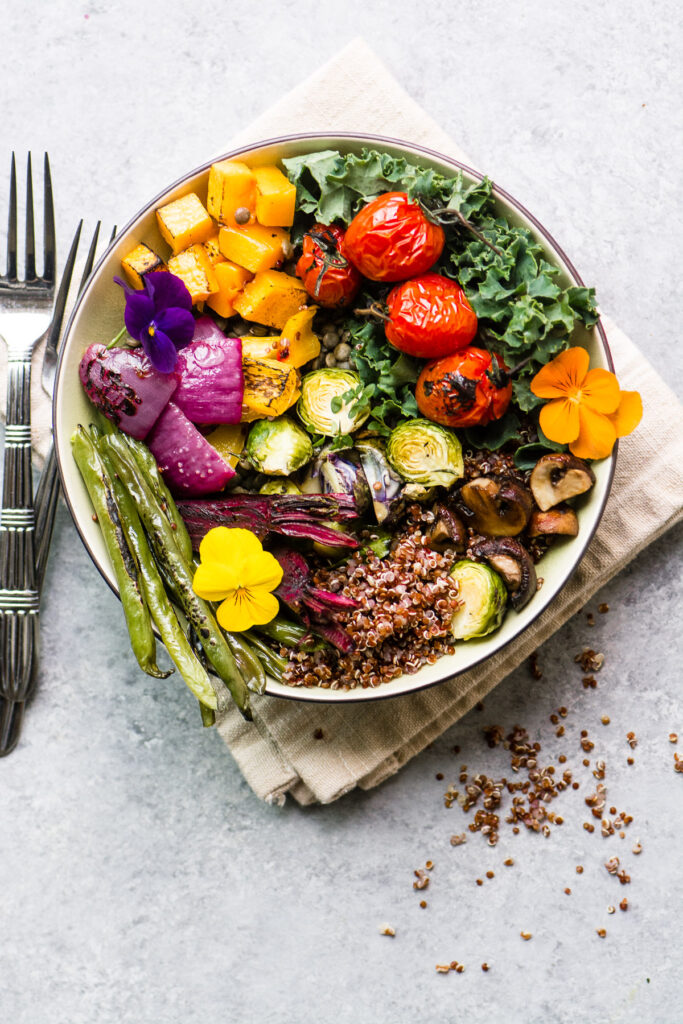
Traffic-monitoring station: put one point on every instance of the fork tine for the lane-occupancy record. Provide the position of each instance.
(12, 223)
(30, 273)
(60, 301)
(113, 234)
(87, 269)
(49, 237)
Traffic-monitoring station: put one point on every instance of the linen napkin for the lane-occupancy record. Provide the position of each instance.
(362, 745)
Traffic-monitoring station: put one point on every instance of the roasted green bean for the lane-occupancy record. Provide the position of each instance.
(248, 662)
(100, 487)
(167, 553)
(161, 609)
(147, 464)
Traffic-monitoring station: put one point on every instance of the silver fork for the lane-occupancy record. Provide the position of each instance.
(25, 307)
(47, 493)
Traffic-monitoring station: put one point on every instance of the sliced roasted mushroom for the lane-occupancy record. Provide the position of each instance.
(561, 520)
(557, 477)
(496, 506)
(513, 563)
(447, 531)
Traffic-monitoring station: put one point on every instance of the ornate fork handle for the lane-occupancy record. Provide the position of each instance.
(18, 595)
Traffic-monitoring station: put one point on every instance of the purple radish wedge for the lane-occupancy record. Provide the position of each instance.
(123, 384)
(209, 371)
(188, 463)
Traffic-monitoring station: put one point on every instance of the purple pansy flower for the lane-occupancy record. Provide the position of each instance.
(159, 317)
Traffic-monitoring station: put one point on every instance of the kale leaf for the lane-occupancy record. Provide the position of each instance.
(523, 310)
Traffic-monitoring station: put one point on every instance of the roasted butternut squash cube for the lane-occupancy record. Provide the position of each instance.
(212, 250)
(275, 197)
(254, 246)
(228, 440)
(193, 266)
(270, 388)
(232, 187)
(271, 298)
(139, 262)
(231, 280)
(298, 343)
(184, 222)
(261, 348)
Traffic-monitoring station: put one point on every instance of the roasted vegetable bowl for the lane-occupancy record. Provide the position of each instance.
(345, 415)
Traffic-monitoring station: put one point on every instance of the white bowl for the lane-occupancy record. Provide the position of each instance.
(98, 315)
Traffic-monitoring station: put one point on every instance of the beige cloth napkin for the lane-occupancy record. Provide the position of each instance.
(364, 744)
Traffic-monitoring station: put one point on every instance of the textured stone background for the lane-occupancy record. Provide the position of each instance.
(140, 879)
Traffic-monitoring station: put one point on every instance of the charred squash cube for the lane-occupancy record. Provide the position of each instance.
(275, 197)
(139, 262)
(184, 223)
(232, 187)
(193, 267)
(254, 246)
(271, 298)
(231, 280)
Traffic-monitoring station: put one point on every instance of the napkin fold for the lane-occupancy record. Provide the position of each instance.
(362, 745)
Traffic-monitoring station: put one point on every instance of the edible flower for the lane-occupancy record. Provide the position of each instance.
(159, 317)
(587, 409)
(235, 570)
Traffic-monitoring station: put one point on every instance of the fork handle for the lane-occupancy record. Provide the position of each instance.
(18, 594)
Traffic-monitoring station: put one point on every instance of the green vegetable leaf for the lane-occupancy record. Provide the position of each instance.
(496, 434)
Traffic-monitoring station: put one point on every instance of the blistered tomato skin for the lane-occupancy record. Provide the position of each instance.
(391, 239)
(429, 316)
(461, 391)
(328, 275)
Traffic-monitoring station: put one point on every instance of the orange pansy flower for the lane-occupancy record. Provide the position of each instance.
(587, 409)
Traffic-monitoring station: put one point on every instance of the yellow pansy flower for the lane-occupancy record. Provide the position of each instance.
(235, 570)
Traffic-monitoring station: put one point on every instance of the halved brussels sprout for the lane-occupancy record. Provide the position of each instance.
(279, 485)
(278, 447)
(386, 487)
(483, 595)
(318, 389)
(342, 473)
(425, 453)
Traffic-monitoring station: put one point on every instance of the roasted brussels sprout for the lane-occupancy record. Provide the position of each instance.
(425, 453)
(386, 487)
(318, 390)
(278, 447)
(341, 473)
(279, 485)
(483, 595)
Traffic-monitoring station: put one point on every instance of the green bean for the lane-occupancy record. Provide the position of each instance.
(166, 552)
(289, 634)
(247, 662)
(160, 607)
(147, 464)
(273, 663)
(208, 716)
(126, 568)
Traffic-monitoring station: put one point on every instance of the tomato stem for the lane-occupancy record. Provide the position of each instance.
(447, 215)
(374, 309)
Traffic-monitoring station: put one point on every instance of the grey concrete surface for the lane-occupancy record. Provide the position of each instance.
(140, 880)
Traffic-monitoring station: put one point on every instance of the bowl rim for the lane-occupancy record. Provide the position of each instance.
(299, 693)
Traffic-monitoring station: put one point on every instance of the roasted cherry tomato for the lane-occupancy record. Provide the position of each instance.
(325, 269)
(429, 316)
(467, 389)
(390, 239)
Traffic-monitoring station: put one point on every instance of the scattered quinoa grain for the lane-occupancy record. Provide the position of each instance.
(480, 881)
(443, 968)
(673, 737)
(637, 849)
(629, 760)
(508, 862)
(459, 839)
(429, 865)
(490, 874)
(579, 869)
(460, 968)
(485, 967)
(423, 903)
(631, 740)
(386, 929)
(605, 719)
(568, 891)
(602, 932)
(439, 776)
(624, 904)
(610, 910)
(603, 608)
(526, 936)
